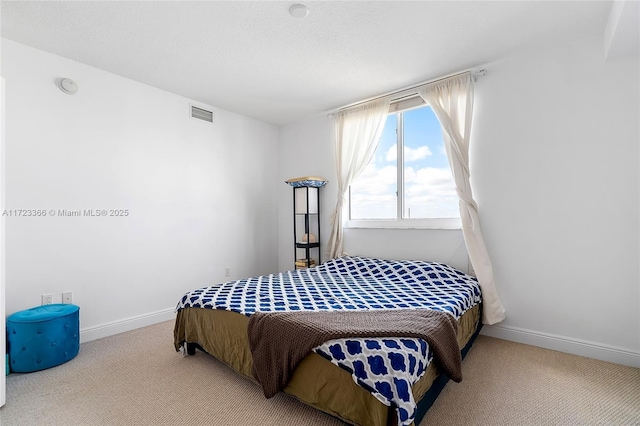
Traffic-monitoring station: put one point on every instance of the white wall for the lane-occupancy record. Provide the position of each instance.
(557, 129)
(3, 330)
(200, 196)
(555, 173)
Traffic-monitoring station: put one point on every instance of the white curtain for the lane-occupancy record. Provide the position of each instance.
(358, 131)
(452, 102)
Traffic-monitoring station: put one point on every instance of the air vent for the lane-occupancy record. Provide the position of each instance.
(201, 114)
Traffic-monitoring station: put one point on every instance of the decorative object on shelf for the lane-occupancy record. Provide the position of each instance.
(305, 263)
(312, 181)
(306, 220)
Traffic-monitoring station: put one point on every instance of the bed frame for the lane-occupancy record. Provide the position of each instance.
(316, 381)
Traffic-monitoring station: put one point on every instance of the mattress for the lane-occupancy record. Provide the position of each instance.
(348, 283)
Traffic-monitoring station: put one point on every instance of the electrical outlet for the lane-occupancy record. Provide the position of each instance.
(67, 297)
(47, 299)
(227, 272)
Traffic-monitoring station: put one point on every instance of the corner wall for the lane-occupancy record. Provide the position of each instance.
(555, 169)
(554, 165)
(200, 197)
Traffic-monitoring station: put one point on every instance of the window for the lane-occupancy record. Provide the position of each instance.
(408, 182)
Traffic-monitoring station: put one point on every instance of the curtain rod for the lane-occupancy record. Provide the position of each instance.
(474, 76)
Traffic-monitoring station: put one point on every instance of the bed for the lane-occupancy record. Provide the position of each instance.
(339, 376)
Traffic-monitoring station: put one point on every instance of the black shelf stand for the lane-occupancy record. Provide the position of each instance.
(306, 226)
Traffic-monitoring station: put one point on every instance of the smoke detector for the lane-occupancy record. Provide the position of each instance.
(68, 86)
(299, 11)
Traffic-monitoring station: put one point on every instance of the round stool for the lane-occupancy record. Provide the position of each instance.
(43, 337)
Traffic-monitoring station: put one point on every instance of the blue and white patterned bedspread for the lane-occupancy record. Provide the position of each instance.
(386, 367)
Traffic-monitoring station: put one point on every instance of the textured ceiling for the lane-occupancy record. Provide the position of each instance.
(251, 57)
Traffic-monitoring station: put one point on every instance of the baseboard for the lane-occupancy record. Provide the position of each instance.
(514, 334)
(564, 344)
(127, 324)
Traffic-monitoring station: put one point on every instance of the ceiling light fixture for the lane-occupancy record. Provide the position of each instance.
(299, 11)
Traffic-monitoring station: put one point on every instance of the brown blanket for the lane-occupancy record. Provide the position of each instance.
(280, 340)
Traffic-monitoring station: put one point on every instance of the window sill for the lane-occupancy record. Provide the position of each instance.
(447, 224)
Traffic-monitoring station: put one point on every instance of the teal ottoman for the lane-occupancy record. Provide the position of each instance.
(43, 337)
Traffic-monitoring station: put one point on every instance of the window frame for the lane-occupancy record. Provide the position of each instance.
(398, 107)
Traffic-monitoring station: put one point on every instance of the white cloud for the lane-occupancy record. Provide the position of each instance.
(392, 153)
(410, 154)
(429, 180)
(429, 192)
(374, 193)
(377, 181)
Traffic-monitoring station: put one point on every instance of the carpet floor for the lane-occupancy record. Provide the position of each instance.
(136, 378)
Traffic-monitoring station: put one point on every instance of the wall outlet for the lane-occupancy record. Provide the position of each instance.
(67, 297)
(47, 299)
(227, 272)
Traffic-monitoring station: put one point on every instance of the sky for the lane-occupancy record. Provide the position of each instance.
(429, 186)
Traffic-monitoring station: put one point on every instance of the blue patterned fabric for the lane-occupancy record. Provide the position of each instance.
(314, 183)
(386, 367)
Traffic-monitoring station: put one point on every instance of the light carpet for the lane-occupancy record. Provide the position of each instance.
(136, 378)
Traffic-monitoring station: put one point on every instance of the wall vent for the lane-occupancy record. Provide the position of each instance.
(201, 114)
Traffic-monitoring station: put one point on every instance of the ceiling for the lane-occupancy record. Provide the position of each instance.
(253, 58)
